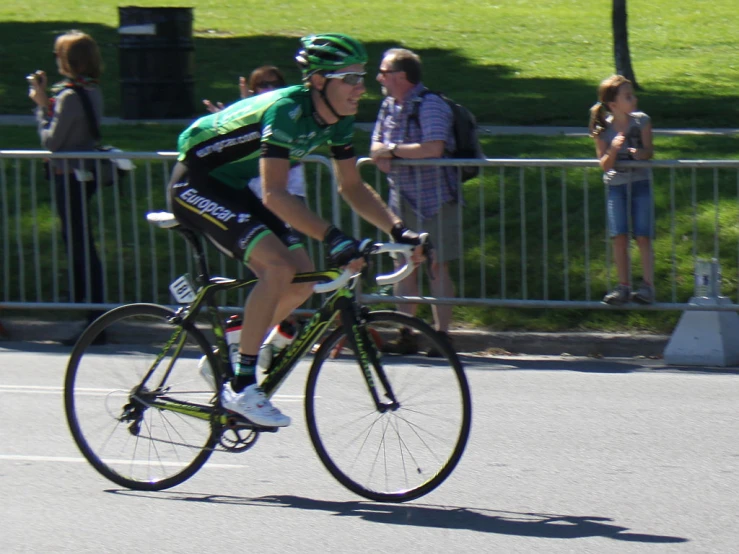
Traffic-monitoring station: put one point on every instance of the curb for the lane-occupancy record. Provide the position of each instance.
(608, 345)
(621, 345)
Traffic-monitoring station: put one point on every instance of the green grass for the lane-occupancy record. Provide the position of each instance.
(518, 62)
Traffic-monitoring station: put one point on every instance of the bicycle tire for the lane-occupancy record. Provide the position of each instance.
(155, 449)
(337, 398)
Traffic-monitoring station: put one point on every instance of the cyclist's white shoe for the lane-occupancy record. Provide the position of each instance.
(254, 406)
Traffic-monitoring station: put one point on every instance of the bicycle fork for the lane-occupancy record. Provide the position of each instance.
(368, 356)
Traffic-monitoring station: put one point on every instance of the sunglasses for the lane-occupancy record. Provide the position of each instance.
(352, 78)
(386, 71)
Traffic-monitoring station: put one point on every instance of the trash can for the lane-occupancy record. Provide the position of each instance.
(157, 62)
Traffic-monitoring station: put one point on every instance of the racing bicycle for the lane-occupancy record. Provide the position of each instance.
(388, 428)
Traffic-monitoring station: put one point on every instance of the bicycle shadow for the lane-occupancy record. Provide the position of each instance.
(524, 524)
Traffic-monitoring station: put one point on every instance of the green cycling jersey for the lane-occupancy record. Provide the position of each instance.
(228, 144)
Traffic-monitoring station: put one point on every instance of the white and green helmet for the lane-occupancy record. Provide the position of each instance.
(329, 52)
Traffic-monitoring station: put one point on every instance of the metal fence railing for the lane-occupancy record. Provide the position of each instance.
(138, 260)
(534, 232)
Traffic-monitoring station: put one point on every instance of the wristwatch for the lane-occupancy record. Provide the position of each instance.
(391, 147)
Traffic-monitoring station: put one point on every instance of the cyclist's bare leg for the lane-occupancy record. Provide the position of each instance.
(275, 266)
(273, 296)
(296, 294)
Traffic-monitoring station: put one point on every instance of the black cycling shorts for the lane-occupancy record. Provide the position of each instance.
(233, 220)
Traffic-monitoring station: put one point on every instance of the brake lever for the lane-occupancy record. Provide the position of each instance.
(366, 248)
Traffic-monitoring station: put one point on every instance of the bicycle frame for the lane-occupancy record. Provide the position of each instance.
(343, 302)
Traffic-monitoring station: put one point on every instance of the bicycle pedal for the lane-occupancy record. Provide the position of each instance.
(237, 421)
(258, 428)
(261, 428)
(266, 429)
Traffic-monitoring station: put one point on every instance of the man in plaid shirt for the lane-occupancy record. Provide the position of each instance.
(413, 126)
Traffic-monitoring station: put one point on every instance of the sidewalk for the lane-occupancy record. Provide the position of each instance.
(621, 345)
(29, 120)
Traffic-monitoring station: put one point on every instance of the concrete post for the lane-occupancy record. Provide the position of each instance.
(705, 338)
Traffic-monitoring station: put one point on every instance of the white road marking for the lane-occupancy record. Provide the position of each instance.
(77, 460)
(38, 387)
(85, 391)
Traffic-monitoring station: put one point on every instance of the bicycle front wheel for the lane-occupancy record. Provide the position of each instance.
(396, 454)
(118, 398)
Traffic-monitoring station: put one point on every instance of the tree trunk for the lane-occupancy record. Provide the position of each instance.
(621, 42)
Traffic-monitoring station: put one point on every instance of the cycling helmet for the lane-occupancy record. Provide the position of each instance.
(330, 51)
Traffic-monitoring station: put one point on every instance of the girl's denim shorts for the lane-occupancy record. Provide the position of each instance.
(642, 223)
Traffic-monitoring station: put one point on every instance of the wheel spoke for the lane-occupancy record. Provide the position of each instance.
(406, 451)
(423, 441)
(147, 447)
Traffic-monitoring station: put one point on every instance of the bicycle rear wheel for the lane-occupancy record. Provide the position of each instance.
(399, 454)
(111, 411)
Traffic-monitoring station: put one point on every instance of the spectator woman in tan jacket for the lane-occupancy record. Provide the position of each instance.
(63, 127)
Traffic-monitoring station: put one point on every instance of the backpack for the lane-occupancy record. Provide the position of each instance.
(464, 127)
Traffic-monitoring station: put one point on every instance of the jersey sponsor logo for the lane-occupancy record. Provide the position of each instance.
(221, 145)
(206, 205)
(296, 113)
(305, 138)
(250, 235)
(243, 218)
(291, 238)
(302, 152)
(282, 135)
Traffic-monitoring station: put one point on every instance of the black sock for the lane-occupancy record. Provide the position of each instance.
(245, 372)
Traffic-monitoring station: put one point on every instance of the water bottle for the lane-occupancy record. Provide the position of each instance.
(233, 337)
(207, 372)
(282, 335)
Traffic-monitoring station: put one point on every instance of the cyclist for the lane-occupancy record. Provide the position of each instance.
(261, 136)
